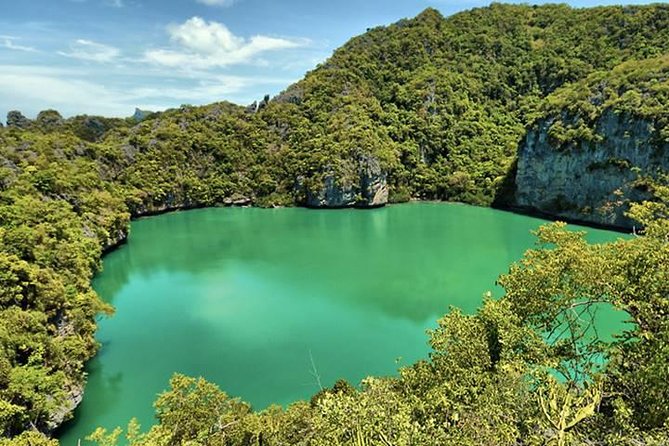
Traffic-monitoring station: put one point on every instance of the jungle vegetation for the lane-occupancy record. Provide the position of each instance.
(442, 104)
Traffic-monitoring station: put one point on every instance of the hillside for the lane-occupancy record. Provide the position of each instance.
(444, 103)
(596, 143)
(428, 108)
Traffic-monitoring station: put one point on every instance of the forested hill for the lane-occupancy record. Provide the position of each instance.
(486, 106)
(443, 103)
(430, 107)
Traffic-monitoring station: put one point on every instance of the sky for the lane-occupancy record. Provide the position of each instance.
(106, 57)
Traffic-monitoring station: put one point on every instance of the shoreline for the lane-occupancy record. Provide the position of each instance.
(519, 210)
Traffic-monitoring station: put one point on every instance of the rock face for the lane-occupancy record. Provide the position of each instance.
(141, 115)
(93, 128)
(75, 394)
(16, 119)
(257, 106)
(368, 189)
(589, 180)
(49, 119)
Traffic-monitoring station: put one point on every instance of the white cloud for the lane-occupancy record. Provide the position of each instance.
(216, 2)
(207, 91)
(205, 44)
(114, 3)
(8, 42)
(54, 90)
(71, 91)
(91, 51)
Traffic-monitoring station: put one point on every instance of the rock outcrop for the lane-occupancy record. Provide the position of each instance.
(74, 395)
(369, 188)
(49, 119)
(16, 119)
(139, 115)
(590, 179)
(256, 106)
(92, 128)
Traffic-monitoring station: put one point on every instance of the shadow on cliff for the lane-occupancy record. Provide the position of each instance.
(505, 196)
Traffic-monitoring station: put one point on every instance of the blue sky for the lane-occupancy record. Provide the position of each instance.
(109, 56)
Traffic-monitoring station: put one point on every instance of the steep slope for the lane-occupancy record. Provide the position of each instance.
(588, 156)
(443, 103)
(430, 108)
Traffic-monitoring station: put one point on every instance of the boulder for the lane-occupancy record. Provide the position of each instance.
(16, 119)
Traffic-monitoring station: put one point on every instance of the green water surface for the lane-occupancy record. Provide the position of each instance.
(248, 297)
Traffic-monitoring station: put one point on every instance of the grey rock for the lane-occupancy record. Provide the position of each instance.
(95, 128)
(75, 394)
(332, 195)
(49, 119)
(369, 188)
(256, 106)
(16, 119)
(252, 108)
(141, 115)
(590, 181)
(373, 183)
(293, 95)
(237, 200)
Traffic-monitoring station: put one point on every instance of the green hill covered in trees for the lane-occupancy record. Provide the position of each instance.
(428, 108)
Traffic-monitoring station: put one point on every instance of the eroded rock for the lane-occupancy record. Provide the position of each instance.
(589, 180)
(367, 188)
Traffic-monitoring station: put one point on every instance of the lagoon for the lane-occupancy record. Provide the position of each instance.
(267, 302)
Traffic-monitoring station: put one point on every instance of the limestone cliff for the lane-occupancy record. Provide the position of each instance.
(590, 179)
(366, 187)
(587, 157)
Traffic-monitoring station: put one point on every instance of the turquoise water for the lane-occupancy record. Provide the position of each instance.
(248, 297)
